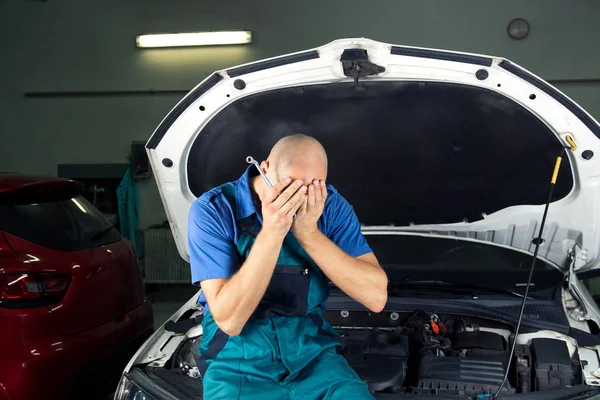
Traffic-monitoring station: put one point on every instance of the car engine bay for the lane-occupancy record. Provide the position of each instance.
(426, 356)
(422, 353)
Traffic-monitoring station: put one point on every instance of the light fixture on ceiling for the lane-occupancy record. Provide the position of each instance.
(216, 38)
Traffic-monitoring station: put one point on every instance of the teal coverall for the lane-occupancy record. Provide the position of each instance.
(286, 350)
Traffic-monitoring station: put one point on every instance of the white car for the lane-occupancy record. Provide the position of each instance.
(447, 159)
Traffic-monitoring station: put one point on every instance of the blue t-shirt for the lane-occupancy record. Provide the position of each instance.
(213, 232)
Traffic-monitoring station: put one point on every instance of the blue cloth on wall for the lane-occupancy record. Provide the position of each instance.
(128, 199)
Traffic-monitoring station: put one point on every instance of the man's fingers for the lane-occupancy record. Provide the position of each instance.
(295, 208)
(311, 195)
(323, 191)
(317, 186)
(298, 206)
(294, 202)
(277, 189)
(302, 209)
(287, 194)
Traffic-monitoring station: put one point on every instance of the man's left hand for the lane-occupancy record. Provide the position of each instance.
(305, 224)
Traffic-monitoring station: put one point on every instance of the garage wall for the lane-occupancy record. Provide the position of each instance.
(85, 45)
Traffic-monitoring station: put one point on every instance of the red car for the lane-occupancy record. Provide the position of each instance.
(72, 303)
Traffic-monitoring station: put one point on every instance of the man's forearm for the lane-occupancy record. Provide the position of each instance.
(240, 295)
(365, 282)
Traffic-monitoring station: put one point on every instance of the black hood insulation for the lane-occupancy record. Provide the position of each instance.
(400, 152)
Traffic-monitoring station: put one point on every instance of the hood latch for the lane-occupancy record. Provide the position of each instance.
(356, 64)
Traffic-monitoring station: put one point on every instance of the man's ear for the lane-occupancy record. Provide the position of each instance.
(264, 166)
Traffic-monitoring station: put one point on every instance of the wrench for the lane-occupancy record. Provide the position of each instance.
(251, 160)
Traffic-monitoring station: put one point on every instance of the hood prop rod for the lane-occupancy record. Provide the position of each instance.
(535, 253)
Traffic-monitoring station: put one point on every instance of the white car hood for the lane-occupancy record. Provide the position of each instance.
(189, 149)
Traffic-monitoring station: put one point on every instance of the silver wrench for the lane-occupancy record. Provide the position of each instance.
(251, 160)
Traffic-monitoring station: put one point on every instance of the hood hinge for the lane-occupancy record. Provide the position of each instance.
(573, 305)
(578, 257)
(356, 64)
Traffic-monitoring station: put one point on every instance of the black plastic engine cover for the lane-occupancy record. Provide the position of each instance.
(379, 358)
(553, 367)
(461, 375)
(479, 340)
(480, 344)
(477, 365)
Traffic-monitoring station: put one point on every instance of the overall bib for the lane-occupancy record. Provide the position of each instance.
(286, 350)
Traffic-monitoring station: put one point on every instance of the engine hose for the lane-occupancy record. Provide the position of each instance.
(446, 345)
(525, 381)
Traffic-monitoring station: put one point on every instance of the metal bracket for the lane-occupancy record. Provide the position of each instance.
(574, 253)
(576, 311)
(573, 307)
(578, 258)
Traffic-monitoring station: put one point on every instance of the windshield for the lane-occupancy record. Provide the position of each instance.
(60, 221)
(431, 261)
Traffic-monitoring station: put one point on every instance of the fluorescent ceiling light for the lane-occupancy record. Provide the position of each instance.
(193, 39)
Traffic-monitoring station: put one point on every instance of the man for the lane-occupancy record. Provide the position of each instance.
(264, 278)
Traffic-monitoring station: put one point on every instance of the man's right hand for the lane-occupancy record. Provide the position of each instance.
(280, 204)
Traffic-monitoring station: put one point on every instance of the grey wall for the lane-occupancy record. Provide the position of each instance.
(73, 45)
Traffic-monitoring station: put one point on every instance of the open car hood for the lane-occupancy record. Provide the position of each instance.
(419, 141)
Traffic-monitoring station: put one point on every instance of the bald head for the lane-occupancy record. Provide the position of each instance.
(299, 157)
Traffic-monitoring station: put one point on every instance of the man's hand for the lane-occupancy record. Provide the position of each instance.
(279, 206)
(310, 211)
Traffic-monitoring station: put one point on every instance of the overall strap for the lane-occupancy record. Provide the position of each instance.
(229, 192)
(246, 225)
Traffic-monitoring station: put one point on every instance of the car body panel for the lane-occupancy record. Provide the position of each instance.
(45, 362)
(14, 181)
(105, 282)
(572, 221)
